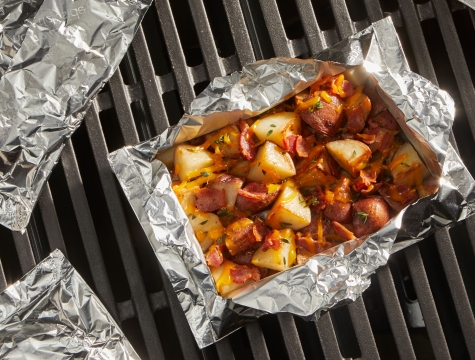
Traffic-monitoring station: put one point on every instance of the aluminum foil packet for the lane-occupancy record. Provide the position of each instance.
(51, 313)
(55, 56)
(425, 114)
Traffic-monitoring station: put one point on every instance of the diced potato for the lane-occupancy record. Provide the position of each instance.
(189, 159)
(167, 157)
(352, 155)
(271, 165)
(241, 168)
(277, 127)
(280, 259)
(407, 167)
(207, 228)
(223, 280)
(230, 185)
(227, 141)
(290, 209)
(187, 201)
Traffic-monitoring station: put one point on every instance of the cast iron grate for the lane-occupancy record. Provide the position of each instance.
(420, 305)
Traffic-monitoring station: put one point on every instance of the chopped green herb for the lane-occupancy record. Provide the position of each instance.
(354, 153)
(285, 224)
(313, 201)
(264, 172)
(302, 202)
(269, 132)
(405, 164)
(192, 150)
(193, 217)
(363, 216)
(223, 212)
(316, 106)
(282, 152)
(220, 140)
(230, 217)
(203, 222)
(221, 239)
(314, 160)
(286, 241)
(285, 263)
(272, 125)
(205, 174)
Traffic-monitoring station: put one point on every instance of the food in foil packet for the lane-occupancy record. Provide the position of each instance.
(326, 166)
(51, 313)
(228, 132)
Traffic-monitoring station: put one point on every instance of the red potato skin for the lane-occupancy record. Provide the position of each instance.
(378, 215)
(339, 211)
(325, 121)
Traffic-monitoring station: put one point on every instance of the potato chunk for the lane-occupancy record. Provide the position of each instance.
(226, 141)
(271, 165)
(407, 167)
(189, 159)
(352, 155)
(277, 127)
(230, 185)
(280, 259)
(207, 228)
(223, 279)
(167, 157)
(290, 209)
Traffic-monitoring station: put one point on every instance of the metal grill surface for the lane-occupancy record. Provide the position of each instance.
(418, 306)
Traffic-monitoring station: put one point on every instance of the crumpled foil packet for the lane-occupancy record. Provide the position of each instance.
(51, 313)
(425, 114)
(55, 56)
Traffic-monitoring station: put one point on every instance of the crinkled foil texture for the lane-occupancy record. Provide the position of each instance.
(425, 114)
(51, 313)
(55, 56)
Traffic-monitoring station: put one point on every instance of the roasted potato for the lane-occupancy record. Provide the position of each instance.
(207, 228)
(352, 155)
(282, 258)
(407, 167)
(190, 159)
(167, 157)
(226, 141)
(289, 210)
(271, 165)
(277, 127)
(230, 185)
(370, 215)
(223, 279)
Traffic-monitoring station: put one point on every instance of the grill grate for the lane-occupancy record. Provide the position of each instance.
(420, 305)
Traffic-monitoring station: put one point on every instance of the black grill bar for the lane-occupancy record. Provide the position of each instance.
(428, 307)
(151, 315)
(395, 315)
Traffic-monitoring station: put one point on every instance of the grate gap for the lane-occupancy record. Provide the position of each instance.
(465, 258)
(220, 28)
(173, 106)
(272, 334)
(446, 79)
(240, 344)
(128, 69)
(37, 234)
(389, 5)
(345, 332)
(9, 257)
(111, 129)
(290, 19)
(308, 335)
(167, 334)
(357, 10)
(100, 215)
(143, 120)
(210, 353)
(421, 344)
(156, 43)
(133, 333)
(443, 300)
(466, 34)
(199, 87)
(68, 223)
(324, 14)
(187, 32)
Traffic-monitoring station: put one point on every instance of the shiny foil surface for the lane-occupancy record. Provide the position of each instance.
(55, 56)
(51, 313)
(425, 114)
